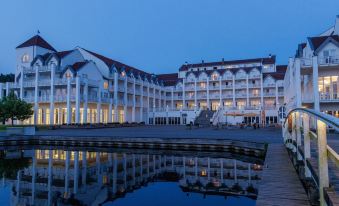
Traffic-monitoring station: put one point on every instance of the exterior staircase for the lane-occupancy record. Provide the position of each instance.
(204, 118)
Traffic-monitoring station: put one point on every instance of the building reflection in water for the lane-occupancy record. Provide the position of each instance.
(96, 177)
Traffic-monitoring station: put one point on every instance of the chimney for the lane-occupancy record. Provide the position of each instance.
(202, 61)
(223, 60)
(270, 56)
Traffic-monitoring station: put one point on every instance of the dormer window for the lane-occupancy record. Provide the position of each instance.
(25, 58)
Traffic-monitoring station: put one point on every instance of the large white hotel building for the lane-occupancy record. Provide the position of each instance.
(80, 86)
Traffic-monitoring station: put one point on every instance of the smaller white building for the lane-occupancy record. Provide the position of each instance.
(312, 77)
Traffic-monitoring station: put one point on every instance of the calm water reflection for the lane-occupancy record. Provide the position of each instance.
(59, 177)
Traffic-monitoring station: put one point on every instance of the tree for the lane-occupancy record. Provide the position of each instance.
(11, 107)
(6, 78)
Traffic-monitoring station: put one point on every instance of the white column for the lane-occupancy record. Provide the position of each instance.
(69, 109)
(60, 116)
(261, 92)
(1, 91)
(99, 106)
(183, 94)
(322, 160)
(142, 101)
(315, 83)
(77, 99)
(116, 112)
(307, 142)
(220, 93)
(7, 89)
(276, 95)
(172, 98)
(153, 100)
(247, 92)
(233, 89)
(208, 93)
(21, 84)
(298, 82)
(125, 98)
(85, 103)
(36, 96)
(110, 107)
(133, 101)
(51, 99)
(195, 95)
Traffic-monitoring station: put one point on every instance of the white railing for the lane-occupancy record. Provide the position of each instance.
(329, 96)
(301, 126)
(334, 60)
(306, 62)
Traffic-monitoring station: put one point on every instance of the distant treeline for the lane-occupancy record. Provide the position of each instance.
(6, 78)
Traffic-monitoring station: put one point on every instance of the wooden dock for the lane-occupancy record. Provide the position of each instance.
(280, 184)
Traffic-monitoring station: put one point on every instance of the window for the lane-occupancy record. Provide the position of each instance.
(105, 85)
(215, 68)
(226, 83)
(25, 58)
(253, 81)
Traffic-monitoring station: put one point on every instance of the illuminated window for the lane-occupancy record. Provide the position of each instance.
(105, 85)
(203, 173)
(25, 58)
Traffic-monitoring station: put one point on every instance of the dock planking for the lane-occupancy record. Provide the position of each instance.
(280, 184)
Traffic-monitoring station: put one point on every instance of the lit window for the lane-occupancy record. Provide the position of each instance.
(105, 85)
(25, 58)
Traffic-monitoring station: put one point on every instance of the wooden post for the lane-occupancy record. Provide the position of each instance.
(322, 160)
(307, 150)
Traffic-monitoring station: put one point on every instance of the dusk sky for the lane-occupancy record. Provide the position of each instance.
(160, 35)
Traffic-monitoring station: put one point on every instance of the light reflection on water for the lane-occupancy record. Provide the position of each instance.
(45, 177)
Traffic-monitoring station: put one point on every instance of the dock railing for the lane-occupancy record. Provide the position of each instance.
(312, 125)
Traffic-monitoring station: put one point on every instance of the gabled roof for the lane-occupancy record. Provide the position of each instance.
(168, 79)
(279, 74)
(78, 65)
(267, 60)
(36, 41)
(110, 62)
(316, 42)
(62, 54)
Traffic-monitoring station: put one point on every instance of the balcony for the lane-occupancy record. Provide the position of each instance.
(240, 86)
(227, 96)
(269, 94)
(255, 76)
(305, 62)
(334, 60)
(227, 87)
(269, 85)
(254, 85)
(329, 97)
(254, 95)
(240, 95)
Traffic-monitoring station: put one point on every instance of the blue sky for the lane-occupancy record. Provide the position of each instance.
(160, 35)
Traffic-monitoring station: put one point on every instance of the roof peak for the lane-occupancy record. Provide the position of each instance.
(37, 40)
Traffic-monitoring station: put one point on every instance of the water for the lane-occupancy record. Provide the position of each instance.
(45, 176)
